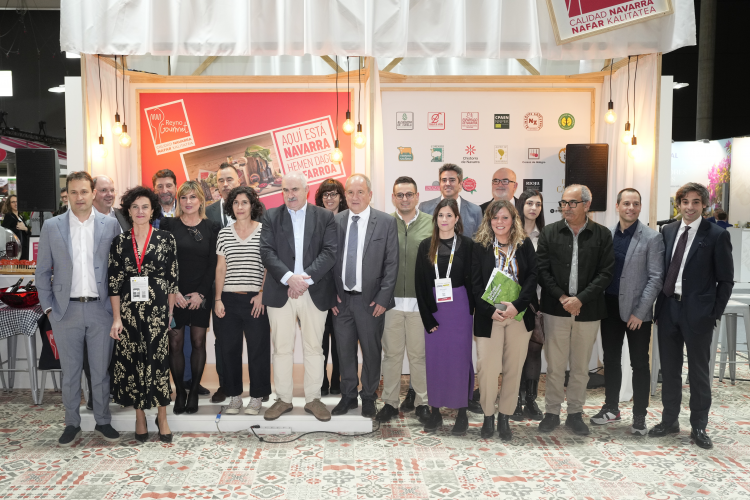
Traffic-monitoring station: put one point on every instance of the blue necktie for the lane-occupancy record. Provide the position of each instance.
(351, 254)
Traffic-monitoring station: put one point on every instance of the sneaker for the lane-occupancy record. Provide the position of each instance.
(277, 409)
(253, 407)
(318, 410)
(606, 415)
(575, 422)
(107, 433)
(235, 404)
(69, 435)
(639, 425)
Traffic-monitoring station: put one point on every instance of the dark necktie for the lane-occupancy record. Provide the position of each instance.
(674, 265)
(351, 254)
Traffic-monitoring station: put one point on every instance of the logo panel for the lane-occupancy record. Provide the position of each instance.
(566, 121)
(405, 154)
(470, 121)
(561, 155)
(437, 153)
(435, 120)
(501, 154)
(533, 121)
(405, 120)
(534, 153)
(502, 121)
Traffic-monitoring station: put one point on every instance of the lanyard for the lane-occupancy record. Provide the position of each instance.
(450, 262)
(139, 260)
(508, 257)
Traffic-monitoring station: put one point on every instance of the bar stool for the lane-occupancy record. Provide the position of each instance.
(728, 330)
(43, 380)
(30, 359)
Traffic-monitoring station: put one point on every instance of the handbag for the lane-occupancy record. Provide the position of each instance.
(537, 335)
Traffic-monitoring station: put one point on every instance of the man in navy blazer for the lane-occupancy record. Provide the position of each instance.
(75, 245)
(451, 176)
(698, 281)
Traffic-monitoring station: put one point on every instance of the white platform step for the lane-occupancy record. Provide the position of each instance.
(123, 419)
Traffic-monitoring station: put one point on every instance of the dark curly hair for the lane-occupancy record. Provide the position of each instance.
(331, 185)
(132, 194)
(251, 195)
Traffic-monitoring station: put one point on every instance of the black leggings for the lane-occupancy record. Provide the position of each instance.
(197, 357)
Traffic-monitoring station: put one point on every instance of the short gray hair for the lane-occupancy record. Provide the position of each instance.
(297, 176)
(360, 176)
(585, 192)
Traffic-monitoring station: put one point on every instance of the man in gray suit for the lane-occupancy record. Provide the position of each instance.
(365, 273)
(76, 245)
(451, 176)
(636, 282)
(298, 249)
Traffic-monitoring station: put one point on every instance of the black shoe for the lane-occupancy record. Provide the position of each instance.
(422, 413)
(368, 408)
(662, 429)
(518, 412)
(475, 407)
(434, 422)
(107, 433)
(386, 413)
(531, 408)
(202, 391)
(180, 400)
(164, 438)
(323, 392)
(549, 423)
(69, 435)
(488, 428)
(576, 424)
(335, 390)
(219, 396)
(345, 405)
(461, 425)
(141, 438)
(265, 399)
(701, 438)
(503, 427)
(90, 403)
(192, 402)
(408, 404)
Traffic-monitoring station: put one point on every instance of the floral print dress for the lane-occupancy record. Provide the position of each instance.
(141, 357)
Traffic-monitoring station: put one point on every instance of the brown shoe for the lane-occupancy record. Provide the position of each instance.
(277, 409)
(219, 396)
(319, 410)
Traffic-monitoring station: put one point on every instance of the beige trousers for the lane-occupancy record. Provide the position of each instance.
(403, 330)
(503, 352)
(568, 342)
(283, 329)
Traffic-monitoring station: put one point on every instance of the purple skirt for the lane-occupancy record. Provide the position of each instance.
(450, 375)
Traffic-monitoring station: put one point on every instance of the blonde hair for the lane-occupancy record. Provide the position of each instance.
(187, 188)
(486, 236)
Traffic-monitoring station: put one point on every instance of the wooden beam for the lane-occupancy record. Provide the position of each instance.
(531, 69)
(138, 77)
(332, 64)
(392, 64)
(204, 65)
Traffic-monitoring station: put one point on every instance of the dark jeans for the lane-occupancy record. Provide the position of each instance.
(238, 318)
(335, 373)
(614, 330)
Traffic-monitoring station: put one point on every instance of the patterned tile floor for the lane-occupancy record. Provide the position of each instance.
(397, 462)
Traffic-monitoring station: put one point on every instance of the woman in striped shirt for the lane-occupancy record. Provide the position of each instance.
(239, 289)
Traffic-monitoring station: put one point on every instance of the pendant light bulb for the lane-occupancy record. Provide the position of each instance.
(125, 140)
(627, 135)
(100, 150)
(359, 137)
(117, 127)
(337, 155)
(610, 116)
(634, 151)
(348, 126)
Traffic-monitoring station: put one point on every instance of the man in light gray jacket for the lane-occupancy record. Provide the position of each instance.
(451, 178)
(637, 281)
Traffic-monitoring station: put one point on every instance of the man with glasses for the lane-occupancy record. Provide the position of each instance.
(504, 187)
(576, 260)
(403, 324)
(451, 176)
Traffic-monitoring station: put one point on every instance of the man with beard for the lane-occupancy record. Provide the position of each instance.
(504, 187)
(165, 187)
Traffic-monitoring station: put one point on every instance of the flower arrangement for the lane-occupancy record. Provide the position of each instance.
(718, 177)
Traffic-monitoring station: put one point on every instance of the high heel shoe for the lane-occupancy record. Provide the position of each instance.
(192, 402)
(164, 438)
(141, 438)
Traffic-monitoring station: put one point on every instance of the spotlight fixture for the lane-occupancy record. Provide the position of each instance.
(676, 85)
(610, 116)
(359, 137)
(58, 89)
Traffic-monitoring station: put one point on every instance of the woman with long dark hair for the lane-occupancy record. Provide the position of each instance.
(446, 305)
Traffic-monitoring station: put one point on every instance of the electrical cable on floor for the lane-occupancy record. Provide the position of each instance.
(253, 427)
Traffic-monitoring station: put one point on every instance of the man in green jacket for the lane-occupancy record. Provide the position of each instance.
(576, 260)
(403, 324)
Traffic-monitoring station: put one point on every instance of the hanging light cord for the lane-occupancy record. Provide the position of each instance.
(347, 84)
(635, 78)
(337, 97)
(99, 65)
(122, 58)
(627, 93)
(117, 106)
(611, 63)
(359, 92)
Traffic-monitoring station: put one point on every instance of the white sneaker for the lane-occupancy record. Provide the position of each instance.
(235, 404)
(253, 407)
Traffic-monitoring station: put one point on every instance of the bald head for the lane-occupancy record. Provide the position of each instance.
(358, 192)
(501, 190)
(104, 193)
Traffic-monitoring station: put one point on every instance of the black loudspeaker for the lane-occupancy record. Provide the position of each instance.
(587, 164)
(37, 180)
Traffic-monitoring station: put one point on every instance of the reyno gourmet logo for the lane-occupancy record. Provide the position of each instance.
(169, 127)
(586, 15)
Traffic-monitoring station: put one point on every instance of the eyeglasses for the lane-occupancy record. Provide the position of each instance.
(196, 234)
(408, 195)
(504, 182)
(571, 203)
(330, 195)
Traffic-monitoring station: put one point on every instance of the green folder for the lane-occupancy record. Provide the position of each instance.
(501, 288)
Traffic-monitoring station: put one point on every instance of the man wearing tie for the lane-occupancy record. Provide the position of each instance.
(698, 283)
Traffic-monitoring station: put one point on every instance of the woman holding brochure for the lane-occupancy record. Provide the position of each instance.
(443, 289)
(504, 278)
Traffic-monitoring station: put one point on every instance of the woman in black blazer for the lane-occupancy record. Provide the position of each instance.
(502, 341)
(12, 220)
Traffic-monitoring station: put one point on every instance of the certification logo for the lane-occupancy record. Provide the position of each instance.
(501, 154)
(469, 185)
(561, 155)
(405, 120)
(436, 153)
(502, 121)
(566, 121)
(435, 120)
(535, 184)
(470, 155)
(534, 153)
(533, 121)
(470, 121)
(405, 154)
(435, 186)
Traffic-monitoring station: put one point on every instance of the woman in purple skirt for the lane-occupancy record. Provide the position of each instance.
(446, 304)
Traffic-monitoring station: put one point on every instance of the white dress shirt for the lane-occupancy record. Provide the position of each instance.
(691, 236)
(169, 213)
(407, 304)
(298, 226)
(364, 219)
(82, 240)
(224, 217)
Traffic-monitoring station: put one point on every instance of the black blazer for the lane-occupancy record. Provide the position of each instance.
(277, 254)
(213, 213)
(708, 276)
(483, 263)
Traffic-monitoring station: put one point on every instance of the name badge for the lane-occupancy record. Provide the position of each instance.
(443, 290)
(139, 289)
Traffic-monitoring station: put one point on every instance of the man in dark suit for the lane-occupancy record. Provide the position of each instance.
(451, 176)
(698, 282)
(504, 187)
(365, 273)
(298, 247)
